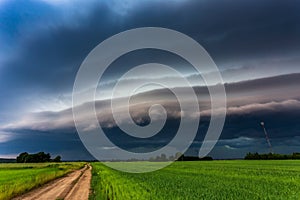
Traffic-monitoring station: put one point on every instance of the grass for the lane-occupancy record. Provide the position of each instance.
(238, 179)
(17, 178)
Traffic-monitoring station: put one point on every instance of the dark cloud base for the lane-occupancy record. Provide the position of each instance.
(283, 128)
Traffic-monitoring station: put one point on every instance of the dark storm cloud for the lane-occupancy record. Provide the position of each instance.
(249, 102)
(46, 59)
(47, 56)
(67, 145)
(230, 28)
(43, 45)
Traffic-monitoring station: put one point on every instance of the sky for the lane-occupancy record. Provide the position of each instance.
(255, 45)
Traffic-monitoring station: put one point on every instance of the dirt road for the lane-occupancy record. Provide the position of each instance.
(74, 186)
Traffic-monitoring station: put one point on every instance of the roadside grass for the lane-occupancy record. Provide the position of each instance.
(18, 178)
(237, 179)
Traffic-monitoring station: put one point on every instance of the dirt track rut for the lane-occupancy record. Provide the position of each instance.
(73, 186)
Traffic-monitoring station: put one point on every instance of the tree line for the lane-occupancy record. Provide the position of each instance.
(271, 156)
(36, 158)
(178, 157)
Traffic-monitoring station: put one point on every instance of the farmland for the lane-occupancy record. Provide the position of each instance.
(16, 178)
(201, 180)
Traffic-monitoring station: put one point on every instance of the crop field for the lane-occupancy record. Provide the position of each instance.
(16, 178)
(238, 179)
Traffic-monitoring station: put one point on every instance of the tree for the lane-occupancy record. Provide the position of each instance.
(271, 156)
(57, 159)
(21, 158)
(36, 158)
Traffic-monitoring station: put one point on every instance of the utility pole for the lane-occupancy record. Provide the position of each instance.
(267, 137)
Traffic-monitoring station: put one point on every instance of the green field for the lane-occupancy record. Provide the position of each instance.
(201, 180)
(16, 178)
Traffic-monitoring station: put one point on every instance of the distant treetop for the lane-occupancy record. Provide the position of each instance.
(36, 158)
